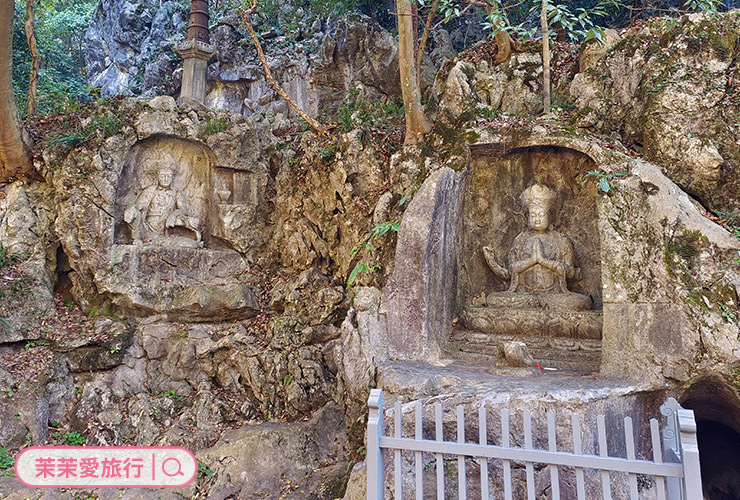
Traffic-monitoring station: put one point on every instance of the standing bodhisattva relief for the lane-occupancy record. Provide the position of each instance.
(541, 260)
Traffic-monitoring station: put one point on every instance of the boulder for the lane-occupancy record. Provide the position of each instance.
(302, 456)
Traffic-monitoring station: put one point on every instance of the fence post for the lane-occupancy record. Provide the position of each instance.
(671, 447)
(375, 430)
(690, 455)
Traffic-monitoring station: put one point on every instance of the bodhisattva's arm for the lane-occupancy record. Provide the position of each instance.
(142, 202)
(497, 269)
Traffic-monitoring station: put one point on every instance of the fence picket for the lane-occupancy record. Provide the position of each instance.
(505, 443)
(397, 453)
(439, 435)
(657, 457)
(418, 458)
(462, 490)
(606, 487)
(552, 446)
(629, 438)
(529, 466)
(578, 450)
(483, 439)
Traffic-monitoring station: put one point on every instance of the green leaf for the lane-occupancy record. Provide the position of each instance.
(360, 267)
(604, 185)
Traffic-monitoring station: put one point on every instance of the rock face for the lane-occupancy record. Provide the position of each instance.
(130, 51)
(644, 226)
(512, 87)
(129, 46)
(669, 91)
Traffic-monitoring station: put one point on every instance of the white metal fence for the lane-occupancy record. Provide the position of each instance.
(676, 474)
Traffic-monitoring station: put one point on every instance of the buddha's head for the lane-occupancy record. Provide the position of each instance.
(538, 200)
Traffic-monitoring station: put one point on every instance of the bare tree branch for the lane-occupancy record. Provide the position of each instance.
(425, 35)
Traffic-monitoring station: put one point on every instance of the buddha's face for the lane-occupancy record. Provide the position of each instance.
(539, 218)
(165, 177)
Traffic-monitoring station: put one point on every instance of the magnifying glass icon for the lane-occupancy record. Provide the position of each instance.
(179, 468)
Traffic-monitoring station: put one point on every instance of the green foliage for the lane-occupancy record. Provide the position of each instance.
(376, 232)
(355, 112)
(605, 177)
(215, 125)
(204, 470)
(73, 438)
(360, 267)
(72, 133)
(6, 462)
(172, 394)
(7, 258)
(60, 36)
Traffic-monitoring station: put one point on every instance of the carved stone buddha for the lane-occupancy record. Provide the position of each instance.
(540, 262)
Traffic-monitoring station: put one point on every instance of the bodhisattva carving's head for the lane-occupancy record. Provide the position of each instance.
(166, 173)
(539, 200)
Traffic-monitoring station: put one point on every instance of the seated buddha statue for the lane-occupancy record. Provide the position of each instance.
(541, 260)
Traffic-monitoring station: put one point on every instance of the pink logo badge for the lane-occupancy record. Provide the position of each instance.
(106, 467)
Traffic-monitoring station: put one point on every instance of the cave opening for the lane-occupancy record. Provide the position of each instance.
(716, 408)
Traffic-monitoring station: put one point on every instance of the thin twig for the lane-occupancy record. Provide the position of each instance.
(425, 35)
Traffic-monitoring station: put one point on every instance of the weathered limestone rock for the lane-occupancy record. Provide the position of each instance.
(362, 344)
(418, 300)
(512, 87)
(125, 37)
(341, 195)
(663, 90)
(593, 50)
(296, 462)
(458, 89)
(27, 237)
(126, 44)
(310, 299)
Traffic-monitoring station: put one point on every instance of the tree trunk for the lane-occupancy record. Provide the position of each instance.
(505, 45)
(545, 60)
(15, 158)
(417, 124)
(33, 78)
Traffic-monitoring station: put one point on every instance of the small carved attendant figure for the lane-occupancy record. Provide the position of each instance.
(541, 260)
(158, 208)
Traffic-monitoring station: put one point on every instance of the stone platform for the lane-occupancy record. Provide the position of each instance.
(563, 354)
(187, 284)
(538, 322)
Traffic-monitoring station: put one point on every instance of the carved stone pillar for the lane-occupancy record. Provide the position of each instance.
(196, 51)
